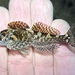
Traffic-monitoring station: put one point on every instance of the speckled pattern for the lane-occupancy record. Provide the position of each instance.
(20, 39)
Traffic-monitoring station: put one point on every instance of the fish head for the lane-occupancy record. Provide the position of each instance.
(5, 37)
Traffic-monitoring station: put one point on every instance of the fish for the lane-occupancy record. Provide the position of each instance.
(44, 38)
(16, 37)
(47, 38)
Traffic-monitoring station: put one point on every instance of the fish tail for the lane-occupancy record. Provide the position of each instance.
(71, 34)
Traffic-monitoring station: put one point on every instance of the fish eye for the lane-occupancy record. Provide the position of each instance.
(4, 32)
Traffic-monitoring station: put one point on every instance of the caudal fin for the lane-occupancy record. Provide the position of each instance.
(71, 34)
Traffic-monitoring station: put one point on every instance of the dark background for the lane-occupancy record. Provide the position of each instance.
(63, 9)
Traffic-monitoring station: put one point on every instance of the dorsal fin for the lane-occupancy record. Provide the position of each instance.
(41, 27)
(17, 24)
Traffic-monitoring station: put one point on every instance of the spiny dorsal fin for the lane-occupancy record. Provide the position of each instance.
(18, 24)
(41, 27)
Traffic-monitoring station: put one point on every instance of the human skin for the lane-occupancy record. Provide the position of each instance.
(62, 62)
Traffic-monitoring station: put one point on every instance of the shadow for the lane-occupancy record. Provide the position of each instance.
(16, 52)
(71, 48)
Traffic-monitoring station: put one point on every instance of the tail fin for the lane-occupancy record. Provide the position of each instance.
(71, 34)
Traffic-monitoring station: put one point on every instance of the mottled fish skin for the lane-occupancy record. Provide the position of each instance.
(18, 45)
(16, 37)
(47, 39)
(4, 37)
(47, 42)
(21, 38)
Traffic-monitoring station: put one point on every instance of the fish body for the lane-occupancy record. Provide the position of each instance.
(47, 42)
(47, 38)
(41, 38)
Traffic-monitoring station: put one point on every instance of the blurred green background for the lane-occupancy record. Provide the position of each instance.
(64, 9)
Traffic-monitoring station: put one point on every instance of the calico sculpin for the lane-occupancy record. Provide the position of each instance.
(47, 38)
(19, 36)
(16, 37)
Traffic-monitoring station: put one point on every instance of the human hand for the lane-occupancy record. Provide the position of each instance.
(13, 63)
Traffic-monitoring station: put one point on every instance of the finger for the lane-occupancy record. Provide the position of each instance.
(64, 57)
(18, 65)
(4, 18)
(42, 11)
(61, 25)
(20, 10)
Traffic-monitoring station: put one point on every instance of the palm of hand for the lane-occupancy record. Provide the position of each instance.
(34, 62)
